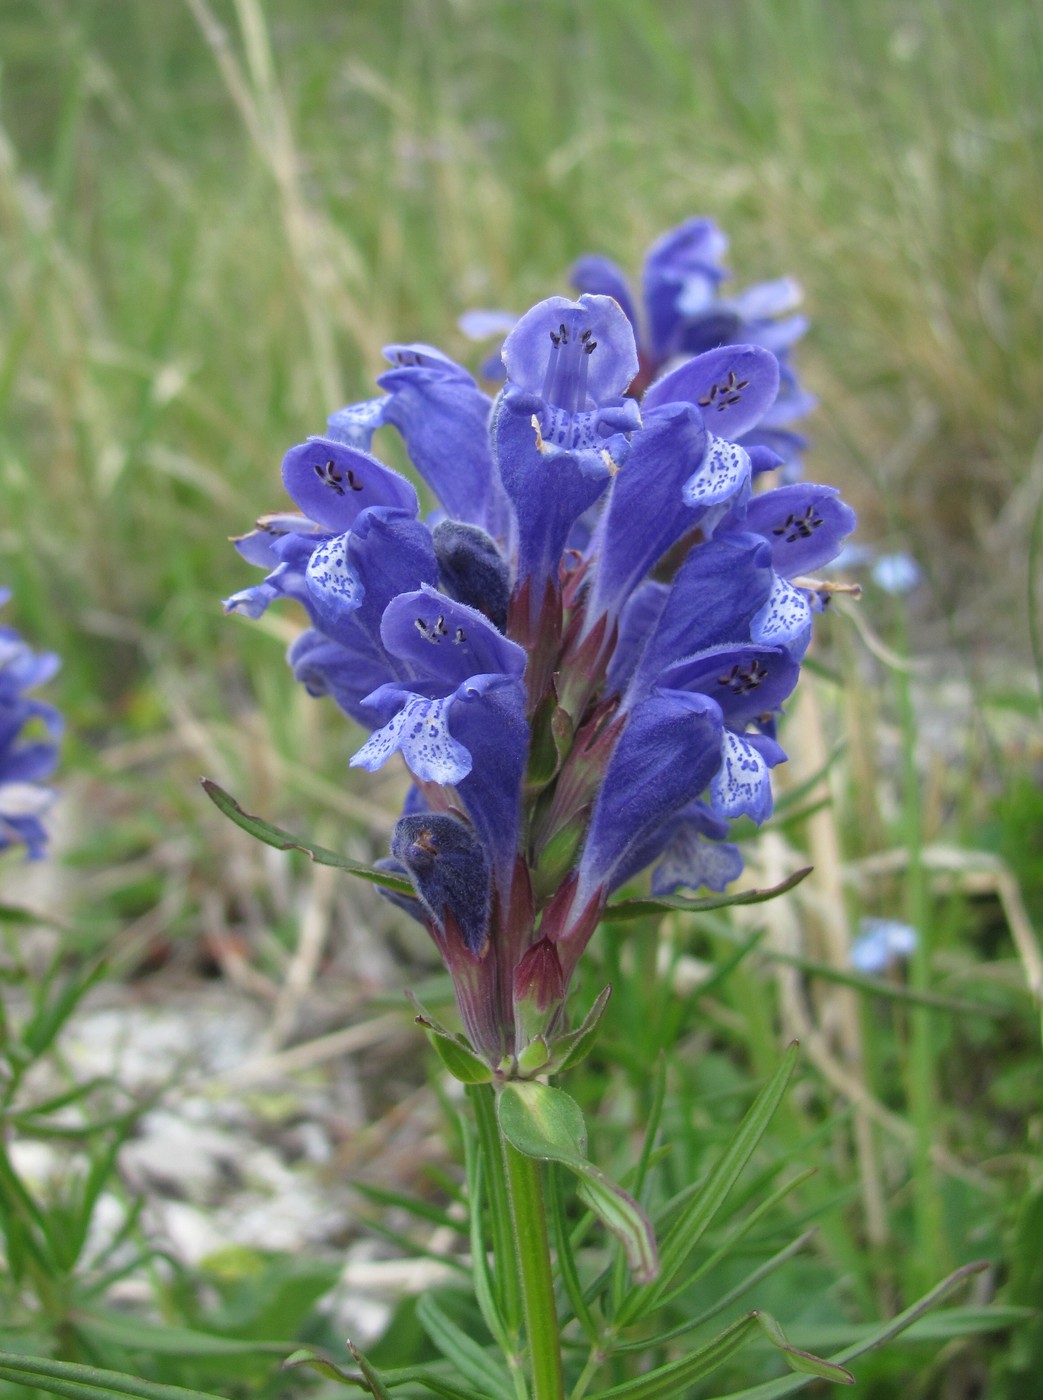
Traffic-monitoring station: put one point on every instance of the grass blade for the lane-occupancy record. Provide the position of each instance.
(697, 1215)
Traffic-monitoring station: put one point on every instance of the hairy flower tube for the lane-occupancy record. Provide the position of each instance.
(580, 654)
(25, 762)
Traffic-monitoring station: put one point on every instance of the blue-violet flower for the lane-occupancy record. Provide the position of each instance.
(581, 653)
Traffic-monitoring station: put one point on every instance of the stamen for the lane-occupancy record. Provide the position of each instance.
(740, 680)
(730, 392)
(330, 475)
(565, 381)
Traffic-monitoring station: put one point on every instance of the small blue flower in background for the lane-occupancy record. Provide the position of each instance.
(880, 943)
(581, 653)
(897, 573)
(24, 762)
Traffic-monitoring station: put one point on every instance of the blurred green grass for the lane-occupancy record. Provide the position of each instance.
(212, 216)
(198, 270)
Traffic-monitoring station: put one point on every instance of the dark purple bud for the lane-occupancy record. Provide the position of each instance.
(450, 873)
(539, 991)
(472, 569)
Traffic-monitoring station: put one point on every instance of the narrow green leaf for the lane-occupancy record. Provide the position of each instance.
(414, 1205)
(546, 1123)
(745, 1225)
(462, 1064)
(637, 908)
(566, 1256)
(880, 987)
(88, 1382)
(484, 1291)
(473, 1362)
(325, 1365)
(700, 1210)
(374, 1383)
(569, 1049)
(15, 914)
(284, 841)
(722, 1303)
(138, 1334)
(789, 1385)
(944, 1326)
(456, 1056)
(798, 1360)
(667, 1382)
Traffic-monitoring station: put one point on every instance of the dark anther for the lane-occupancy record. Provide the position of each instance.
(563, 332)
(590, 347)
(730, 391)
(799, 527)
(353, 481)
(460, 636)
(329, 474)
(585, 335)
(555, 339)
(742, 679)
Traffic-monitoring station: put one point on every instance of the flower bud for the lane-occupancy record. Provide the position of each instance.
(450, 874)
(472, 569)
(539, 992)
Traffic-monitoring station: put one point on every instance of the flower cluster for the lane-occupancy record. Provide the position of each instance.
(684, 309)
(24, 762)
(580, 655)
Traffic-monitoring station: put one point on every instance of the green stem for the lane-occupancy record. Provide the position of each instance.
(507, 1286)
(529, 1214)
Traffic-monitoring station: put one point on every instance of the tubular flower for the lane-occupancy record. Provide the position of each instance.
(684, 309)
(25, 762)
(581, 653)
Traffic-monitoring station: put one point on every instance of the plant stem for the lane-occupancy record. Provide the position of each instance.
(492, 1148)
(529, 1214)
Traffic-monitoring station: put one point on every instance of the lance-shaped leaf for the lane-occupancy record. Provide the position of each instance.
(637, 908)
(369, 1380)
(789, 1385)
(475, 1364)
(283, 841)
(667, 1382)
(802, 1361)
(459, 1059)
(572, 1047)
(546, 1123)
(77, 1382)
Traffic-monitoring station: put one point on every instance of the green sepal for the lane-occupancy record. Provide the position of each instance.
(569, 1049)
(563, 731)
(651, 904)
(558, 855)
(545, 755)
(454, 1052)
(534, 1057)
(284, 841)
(547, 1124)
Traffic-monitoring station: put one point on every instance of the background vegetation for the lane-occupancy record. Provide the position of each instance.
(212, 216)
